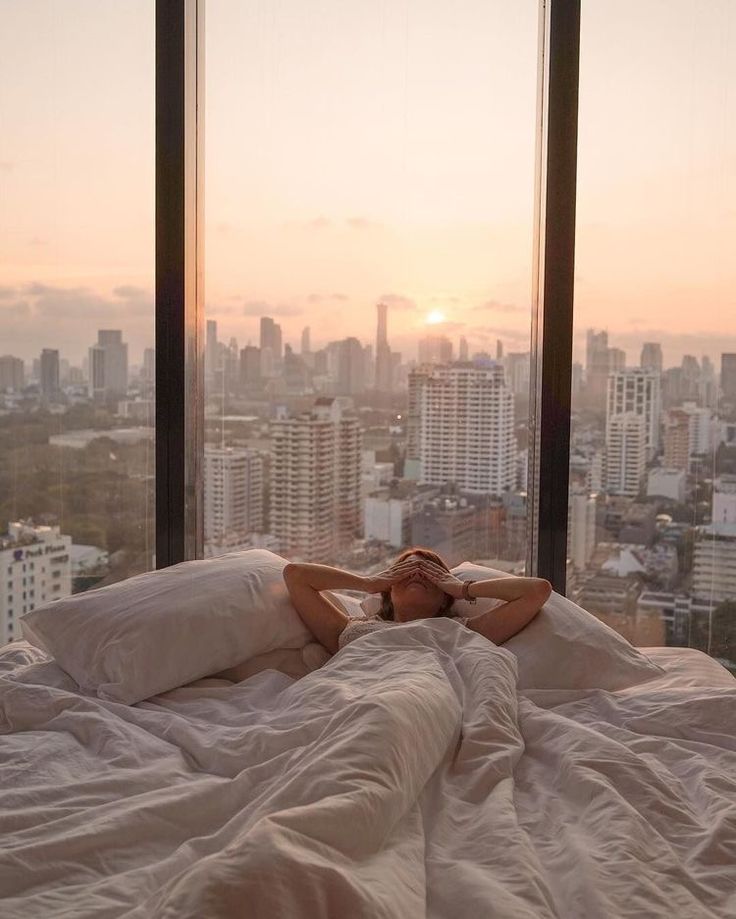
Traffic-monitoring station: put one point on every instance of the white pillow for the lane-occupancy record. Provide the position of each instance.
(565, 647)
(164, 629)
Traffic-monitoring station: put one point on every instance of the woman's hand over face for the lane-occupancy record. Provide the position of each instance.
(441, 578)
(385, 580)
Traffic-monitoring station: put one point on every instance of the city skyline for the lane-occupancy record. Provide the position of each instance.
(431, 328)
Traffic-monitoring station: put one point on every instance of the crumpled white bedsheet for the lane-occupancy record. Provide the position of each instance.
(406, 778)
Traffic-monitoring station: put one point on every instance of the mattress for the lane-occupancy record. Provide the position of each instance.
(406, 778)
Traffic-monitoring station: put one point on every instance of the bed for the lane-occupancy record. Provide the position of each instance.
(408, 776)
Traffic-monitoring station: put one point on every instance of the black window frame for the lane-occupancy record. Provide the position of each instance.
(180, 301)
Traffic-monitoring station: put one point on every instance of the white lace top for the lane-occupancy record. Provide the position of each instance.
(358, 627)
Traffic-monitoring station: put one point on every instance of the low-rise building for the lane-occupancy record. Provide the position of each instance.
(667, 483)
(35, 569)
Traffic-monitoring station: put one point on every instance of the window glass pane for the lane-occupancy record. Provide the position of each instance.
(652, 534)
(369, 218)
(76, 296)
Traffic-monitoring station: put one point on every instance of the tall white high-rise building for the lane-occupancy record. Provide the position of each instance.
(636, 390)
(35, 566)
(714, 562)
(108, 365)
(461, 428)
(233, 492)
(626, 453)
(316, 481)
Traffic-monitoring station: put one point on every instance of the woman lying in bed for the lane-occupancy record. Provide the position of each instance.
(419, 585)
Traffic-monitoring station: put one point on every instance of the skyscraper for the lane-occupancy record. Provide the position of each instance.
(637, 390)
(596, 368)
(149, 365)
(271, 338)
(12, 372)
(651, 356)
(434, 349)
(350, 367)
(233, 492)
(49, 379)
(211, 351)
(383, 352)
(728, 376)
(316, 476)
(250, 365)
(306, 340)
(108, 365)
(626, 453)
(463, 350)
(616, 359)
(461, 429)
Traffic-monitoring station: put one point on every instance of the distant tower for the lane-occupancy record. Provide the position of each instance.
(651, 356)
(728, 376)
(108, 365)
(463, 348)
(383, 352)
(210, 350)
(49, 372)
(306, 340)
(271, 337)
(499, 349)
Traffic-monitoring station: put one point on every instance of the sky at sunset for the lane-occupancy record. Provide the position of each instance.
(366, 149)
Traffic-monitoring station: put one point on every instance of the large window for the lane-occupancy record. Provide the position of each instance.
(652, 531)
(76, 297)
(369, 223)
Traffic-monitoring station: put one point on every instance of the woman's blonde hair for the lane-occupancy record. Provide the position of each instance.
(387, 607)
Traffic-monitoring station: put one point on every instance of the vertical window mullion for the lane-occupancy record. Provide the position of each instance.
(552, 320)
(179, 296)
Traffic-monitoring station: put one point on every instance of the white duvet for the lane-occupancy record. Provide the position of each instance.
(406, 778)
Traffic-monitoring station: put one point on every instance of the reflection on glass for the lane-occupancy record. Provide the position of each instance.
(652, 525)
(369, 244)
(76, 301)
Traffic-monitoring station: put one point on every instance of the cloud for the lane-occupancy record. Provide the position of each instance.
(498, 307)
(398, 302)
(128, 292)
(261, 308)
(319, 223)
(64, 304)
(37, 241)
(7, 293)
(320, 298)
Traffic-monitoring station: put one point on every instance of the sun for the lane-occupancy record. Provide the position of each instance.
(435, 317)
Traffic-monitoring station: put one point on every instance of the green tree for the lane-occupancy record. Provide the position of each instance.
(723, 635)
